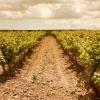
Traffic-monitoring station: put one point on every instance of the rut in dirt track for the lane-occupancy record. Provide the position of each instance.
(47, 75)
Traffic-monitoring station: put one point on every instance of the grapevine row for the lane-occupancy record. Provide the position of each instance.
(83, 47)
(14, 45)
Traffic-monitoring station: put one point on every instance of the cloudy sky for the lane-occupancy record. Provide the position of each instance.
(72, 13)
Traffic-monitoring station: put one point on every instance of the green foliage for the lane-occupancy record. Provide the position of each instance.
(2, 60)
(96, 78)
(15, 44)
(84, 45)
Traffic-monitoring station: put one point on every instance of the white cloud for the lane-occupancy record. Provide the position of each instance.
(69, 9)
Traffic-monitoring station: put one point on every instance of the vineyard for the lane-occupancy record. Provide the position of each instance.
(84, 48)
(81, 46)
(14, 45)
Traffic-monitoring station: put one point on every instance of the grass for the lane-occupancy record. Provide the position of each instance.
(78, 84)
(34, 77)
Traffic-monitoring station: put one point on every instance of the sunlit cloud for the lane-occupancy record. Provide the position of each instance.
(16, 9)
(74, 13)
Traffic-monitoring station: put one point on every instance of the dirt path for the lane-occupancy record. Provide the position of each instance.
(47, 75)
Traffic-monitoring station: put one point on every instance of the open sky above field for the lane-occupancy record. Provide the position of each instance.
(49, 14)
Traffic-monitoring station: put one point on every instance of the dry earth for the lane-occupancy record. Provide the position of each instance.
(47, 75)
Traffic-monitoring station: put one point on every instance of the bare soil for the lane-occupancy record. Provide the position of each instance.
(47, 75)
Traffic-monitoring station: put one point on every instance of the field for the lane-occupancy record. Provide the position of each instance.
(50, 65)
